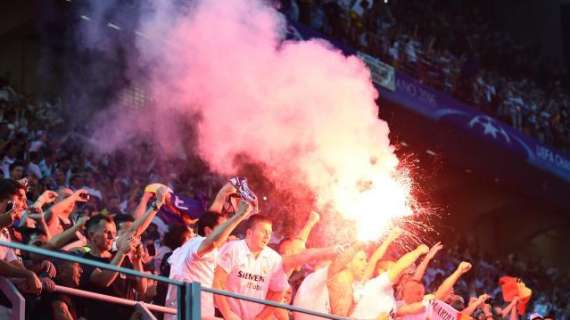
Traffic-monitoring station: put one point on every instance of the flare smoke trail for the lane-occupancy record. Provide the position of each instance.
(301, 108)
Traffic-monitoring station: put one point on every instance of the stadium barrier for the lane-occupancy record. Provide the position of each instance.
(15, 297)
(188, 294)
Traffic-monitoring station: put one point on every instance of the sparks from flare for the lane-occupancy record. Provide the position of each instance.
(375, 205)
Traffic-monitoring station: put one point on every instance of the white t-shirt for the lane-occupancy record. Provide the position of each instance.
(45, 168)
(251, 276)
(420, 315)
(36, 146)
(344, 4)
(35, 170)
(376, 296)
(6, 162)
(186, 265)
(313, 294)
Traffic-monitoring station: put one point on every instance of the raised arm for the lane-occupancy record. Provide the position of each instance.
(507, 310)
(341, 260)
(66, 236)
(291, 262)
(221, 198)
(406, 261)
(303, 234)
(475, 304)
(444, 289)
(36, 213)
(421, 269)
(50, 218)
(142, 222)
(380, 252)
(221, 233)
(104, 278)
(46, 197)
(64, 208)
(142, 205)
(410, 309)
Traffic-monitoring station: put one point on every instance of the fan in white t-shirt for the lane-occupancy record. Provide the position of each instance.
(414, 303)
(313, 294)
(375, 298)
(331, 289)
(250, 268)
(349, 271)
(295, 255)
(196, 259)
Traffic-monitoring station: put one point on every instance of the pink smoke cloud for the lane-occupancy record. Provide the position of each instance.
(301, 107)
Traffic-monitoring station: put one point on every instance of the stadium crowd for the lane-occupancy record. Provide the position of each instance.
(458, 49)
(58, 195)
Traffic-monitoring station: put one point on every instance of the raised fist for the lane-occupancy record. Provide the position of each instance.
(395, 233)
(484, 297)
(47, 196)
(314, 217)
(423, 249)
(81, 195)
(435, 249)
(464, 267)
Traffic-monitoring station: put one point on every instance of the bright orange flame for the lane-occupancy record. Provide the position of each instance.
(375, 206)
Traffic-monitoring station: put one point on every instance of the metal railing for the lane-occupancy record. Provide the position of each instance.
(15, 297)
(188, 294)
(111, 299)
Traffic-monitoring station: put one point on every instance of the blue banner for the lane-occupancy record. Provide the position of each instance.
(437, 106)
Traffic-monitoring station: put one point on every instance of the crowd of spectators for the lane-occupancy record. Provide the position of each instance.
(549, 295)
(458, 49)
(87, 203)
(37, 145)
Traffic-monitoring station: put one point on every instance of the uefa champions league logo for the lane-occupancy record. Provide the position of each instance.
(490, 127)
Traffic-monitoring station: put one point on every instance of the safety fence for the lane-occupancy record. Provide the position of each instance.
(188, 294)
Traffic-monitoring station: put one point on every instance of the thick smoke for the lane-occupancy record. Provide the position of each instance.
(301, 108)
